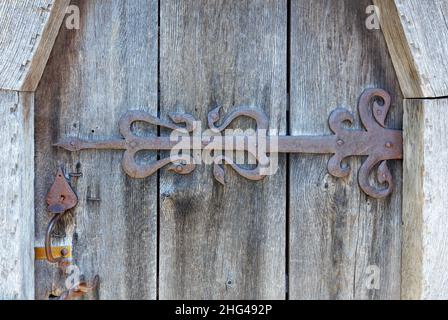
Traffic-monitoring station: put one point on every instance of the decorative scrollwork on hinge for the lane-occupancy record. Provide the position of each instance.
(376, 142)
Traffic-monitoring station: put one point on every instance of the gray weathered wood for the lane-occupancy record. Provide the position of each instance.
(94, 76)
(28, 31)
(336, 231)
(417, 35)
(16, 194)
(425, 242)
(223, 242)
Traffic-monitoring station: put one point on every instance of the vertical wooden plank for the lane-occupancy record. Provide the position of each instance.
(223, 242)
(424, 207)
(337, 232)
(95, 74)
(16, 194)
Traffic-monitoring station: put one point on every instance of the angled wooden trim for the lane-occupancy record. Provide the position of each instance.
(29, 29)
(416, 33)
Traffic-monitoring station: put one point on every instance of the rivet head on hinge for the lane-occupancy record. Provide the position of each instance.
(64, 252)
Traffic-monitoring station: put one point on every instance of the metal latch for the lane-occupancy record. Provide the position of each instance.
(376, 142)
(60, 199)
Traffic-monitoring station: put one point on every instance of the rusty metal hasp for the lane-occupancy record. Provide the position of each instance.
(376, 142)
(60, 199)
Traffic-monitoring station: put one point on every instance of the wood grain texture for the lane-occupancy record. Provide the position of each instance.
(425, 244)
(28, 31)
(16, 194)
(336, 231)
(94, 75)
(223, 242)
(417, 35)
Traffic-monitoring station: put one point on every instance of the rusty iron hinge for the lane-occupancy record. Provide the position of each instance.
(60, 199)
(377, 143)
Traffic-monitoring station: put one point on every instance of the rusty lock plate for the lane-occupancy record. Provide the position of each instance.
(377, 143)
(61, 197)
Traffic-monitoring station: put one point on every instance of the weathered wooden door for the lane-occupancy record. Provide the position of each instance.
(298, 234)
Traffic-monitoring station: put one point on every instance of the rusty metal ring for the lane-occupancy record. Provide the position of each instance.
(48, 248)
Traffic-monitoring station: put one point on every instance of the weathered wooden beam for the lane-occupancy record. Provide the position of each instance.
(28, 31)
(417, 36)
(16, 195)
(425, 201)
